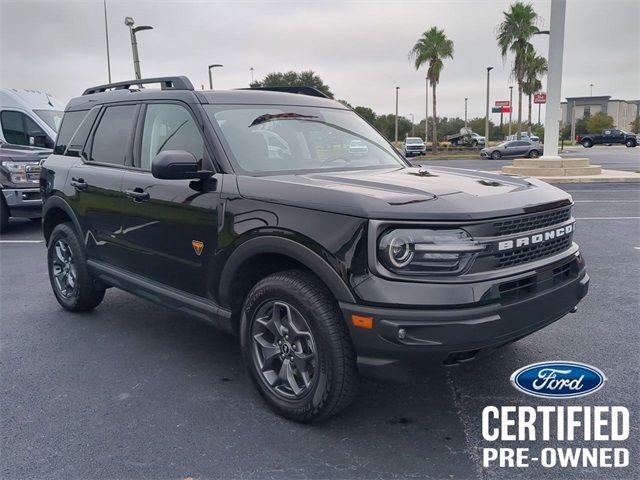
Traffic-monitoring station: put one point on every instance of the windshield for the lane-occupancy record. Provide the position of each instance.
(275, 139)
(414, 140)
(53, 118)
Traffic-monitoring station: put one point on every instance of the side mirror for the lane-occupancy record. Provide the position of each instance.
(177, 165)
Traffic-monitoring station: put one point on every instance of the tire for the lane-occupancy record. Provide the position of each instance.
(322, 377)
(587, 143)
(630, 143)
(534, 154)
(75, 289)
(496, 155)
(4, 213)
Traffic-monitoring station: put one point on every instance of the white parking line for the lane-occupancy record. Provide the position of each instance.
(606, 201)
(21, 241)
(607, 218)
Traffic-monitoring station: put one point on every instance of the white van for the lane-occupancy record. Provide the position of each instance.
(29, 117)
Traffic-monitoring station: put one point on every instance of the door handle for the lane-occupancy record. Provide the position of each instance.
(137, 194)
(79, 183)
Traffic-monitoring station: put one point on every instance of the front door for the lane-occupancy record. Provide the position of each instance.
(169, 229)
(96, 182)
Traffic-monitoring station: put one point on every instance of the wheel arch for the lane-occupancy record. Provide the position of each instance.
(56, 211)
(292, 254)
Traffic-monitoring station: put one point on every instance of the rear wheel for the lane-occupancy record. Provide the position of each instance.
(534, 154)
(75, 289)
(496, 155)
(587, 143)
(297, 348)
(630, 143)
(4, 213)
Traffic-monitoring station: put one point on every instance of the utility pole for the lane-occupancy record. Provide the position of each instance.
(106, 34)
(486, 118)
(426, 110)
(128, 21)
(465, 111)
(510, 107)
(591, 85)
(554, 79)
(210, 78)
(397, 89)
(413, 122)
(251, 70)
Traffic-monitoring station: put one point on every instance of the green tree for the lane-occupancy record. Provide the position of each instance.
(307, 78)
(598, 122)
(635, 125)
(477, 125)
(366, 113)
(513, 36)
(535, 67)
(386, 125)
(431, 49)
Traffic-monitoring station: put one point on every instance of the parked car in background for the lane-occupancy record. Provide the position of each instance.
(524, 136)
(19, 182)
(514, 148)
(29, 117)
(358, 147)
(414, 146)
(609, 136)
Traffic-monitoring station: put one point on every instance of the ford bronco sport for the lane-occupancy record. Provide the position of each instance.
(249, 209)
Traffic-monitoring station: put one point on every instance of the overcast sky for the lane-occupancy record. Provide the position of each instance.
(359, 48)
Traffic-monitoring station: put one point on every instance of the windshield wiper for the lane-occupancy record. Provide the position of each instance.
(267, 117)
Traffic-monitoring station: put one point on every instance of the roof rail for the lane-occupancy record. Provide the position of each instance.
(166, 83)
(303, 90)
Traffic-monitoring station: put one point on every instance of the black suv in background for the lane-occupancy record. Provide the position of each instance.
(250, 210)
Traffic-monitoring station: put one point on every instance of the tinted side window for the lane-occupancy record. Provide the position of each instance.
(13, 128)
(169, 127)
(111, 138)
(70, 123)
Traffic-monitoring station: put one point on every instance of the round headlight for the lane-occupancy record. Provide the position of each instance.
(400, 252)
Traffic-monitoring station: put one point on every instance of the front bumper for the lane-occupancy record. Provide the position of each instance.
(509, 309)
(23, 202)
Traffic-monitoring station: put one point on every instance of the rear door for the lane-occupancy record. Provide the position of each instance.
(97, 180)
(170, 226)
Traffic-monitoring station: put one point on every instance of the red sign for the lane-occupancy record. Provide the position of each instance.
(506, 109)
(502, 103)
(540, 97)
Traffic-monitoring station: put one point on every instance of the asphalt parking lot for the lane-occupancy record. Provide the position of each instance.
(134, 390)
(615, 157)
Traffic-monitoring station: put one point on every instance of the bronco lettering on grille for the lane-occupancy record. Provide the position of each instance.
(535, 239)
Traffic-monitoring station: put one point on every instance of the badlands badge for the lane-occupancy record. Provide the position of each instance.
(198, 246)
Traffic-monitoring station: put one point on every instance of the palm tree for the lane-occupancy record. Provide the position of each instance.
(513, 36)
(535, 67)
(432, 48)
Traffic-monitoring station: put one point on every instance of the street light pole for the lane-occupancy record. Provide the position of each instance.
(554, 79)
(397, 89)
(486, 118)
(210, 78)
(465, 111)
(106, 34)
(591, 85)
(510, 106)
(128, 21)
(413, 122)
(251, 70)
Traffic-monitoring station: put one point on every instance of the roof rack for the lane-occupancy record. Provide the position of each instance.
(304, 90)
(166, 83)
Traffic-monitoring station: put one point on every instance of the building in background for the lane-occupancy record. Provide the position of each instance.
(623, 112)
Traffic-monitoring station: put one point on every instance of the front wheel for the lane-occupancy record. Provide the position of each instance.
(297, 348)
(496, 155)
(534, 154)
(630, 143)
(75, 289)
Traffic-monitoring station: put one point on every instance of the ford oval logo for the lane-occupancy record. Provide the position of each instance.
(558, 379)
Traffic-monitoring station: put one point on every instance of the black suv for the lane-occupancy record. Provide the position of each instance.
(248, 209)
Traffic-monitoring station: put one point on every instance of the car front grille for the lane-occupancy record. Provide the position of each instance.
(533, 252)
(531, 222)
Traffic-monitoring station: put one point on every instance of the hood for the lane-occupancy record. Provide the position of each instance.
(22, 153)
(415, 193)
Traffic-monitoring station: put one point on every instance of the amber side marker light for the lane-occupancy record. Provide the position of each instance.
(362, 322)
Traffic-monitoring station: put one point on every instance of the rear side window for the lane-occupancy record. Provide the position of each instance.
(111, 138)
(70, 123)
